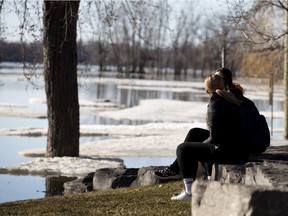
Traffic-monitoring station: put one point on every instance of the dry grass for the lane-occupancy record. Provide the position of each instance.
(150, 200)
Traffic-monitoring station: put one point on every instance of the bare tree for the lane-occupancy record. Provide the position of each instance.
(60, 66)
(126, 28)
(261, 27)
(60, 74)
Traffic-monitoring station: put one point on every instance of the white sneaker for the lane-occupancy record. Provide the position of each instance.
(182, 196)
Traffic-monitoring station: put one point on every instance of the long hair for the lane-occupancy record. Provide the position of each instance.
(214, 83)
(226, 76)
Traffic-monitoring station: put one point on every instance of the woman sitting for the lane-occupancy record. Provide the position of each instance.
(225, 143)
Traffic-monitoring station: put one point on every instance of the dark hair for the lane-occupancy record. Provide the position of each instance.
(214, 83)
(226, 75)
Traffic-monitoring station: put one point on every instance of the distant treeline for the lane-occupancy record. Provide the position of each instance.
(184, 59)
(144, 36)
(123, 56)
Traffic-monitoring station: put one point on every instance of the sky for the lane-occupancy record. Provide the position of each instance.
(11, 20)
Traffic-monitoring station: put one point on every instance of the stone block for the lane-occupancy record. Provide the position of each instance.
(216, 198)
(108, 178)
(229, 173)
(104, 178)
(74, 187)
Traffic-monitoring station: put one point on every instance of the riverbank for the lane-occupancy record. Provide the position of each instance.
(138, 121)
(145, 200)
(144, 140)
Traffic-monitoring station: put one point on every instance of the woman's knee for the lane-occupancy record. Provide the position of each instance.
(180, 147)
(194, 131)
(197, 135)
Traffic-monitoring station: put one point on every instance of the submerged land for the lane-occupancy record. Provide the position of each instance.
(169, 122)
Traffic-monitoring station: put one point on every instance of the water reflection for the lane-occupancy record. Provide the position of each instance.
(54, 184)
(128, 97)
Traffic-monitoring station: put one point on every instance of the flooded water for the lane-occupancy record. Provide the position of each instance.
(18, 91)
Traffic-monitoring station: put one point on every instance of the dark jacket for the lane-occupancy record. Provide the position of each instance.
(237, 90)
(223, 120)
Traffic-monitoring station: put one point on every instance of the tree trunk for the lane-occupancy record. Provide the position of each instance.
(60, 74)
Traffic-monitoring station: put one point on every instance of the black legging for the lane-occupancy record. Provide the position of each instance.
(190, 153)
(195, 135)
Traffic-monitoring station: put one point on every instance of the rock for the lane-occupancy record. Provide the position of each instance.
(267, 169)
(228, 173)
(74, 187)
(261, 188)
(216, 198)
(109, 178)
(103, 178)
(126, 179)
(146, 176)
(88, 181)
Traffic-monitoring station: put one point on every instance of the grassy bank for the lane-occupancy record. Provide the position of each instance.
(152, 200)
